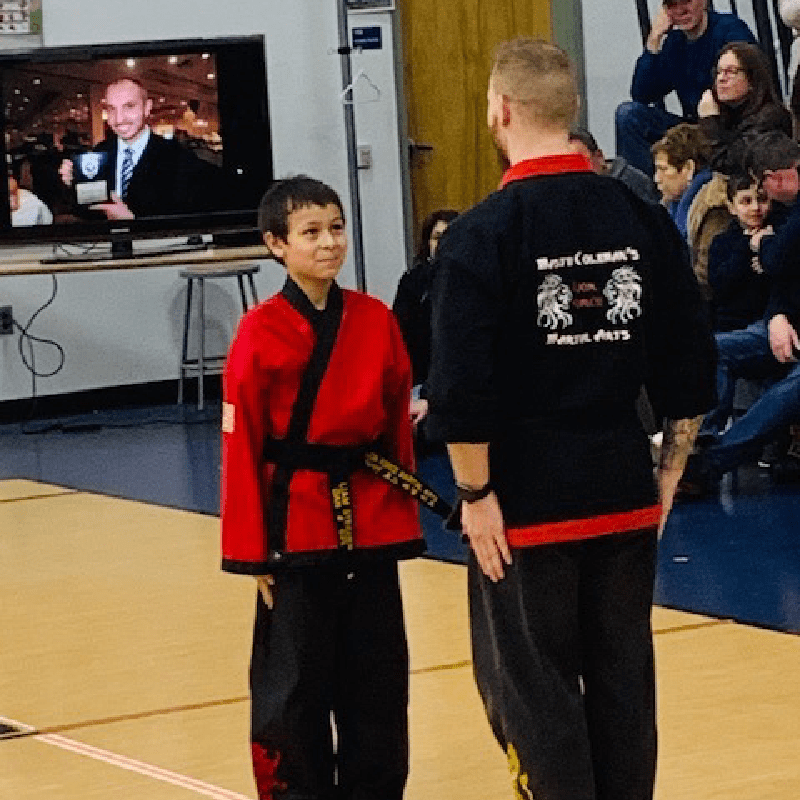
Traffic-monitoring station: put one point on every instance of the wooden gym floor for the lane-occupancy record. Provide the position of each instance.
(123, 670)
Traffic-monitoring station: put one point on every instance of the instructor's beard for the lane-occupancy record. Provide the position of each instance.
(502, 156)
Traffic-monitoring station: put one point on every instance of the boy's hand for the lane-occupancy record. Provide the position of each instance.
(265, 584)
(418, 411)
(757, 235)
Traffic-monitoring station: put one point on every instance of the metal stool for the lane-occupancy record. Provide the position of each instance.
(203, 363)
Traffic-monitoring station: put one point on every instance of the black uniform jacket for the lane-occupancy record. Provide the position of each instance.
(554, 301)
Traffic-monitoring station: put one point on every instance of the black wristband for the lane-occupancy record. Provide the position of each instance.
(467, 495)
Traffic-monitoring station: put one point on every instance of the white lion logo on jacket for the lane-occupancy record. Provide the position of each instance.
(553, 299)
(624, 294)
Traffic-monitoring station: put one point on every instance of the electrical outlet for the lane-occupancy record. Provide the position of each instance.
(6, 321)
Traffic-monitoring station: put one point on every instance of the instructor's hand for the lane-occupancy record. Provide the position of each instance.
(482, 522)
(668, 480)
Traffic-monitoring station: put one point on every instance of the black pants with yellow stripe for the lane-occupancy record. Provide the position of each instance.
(329, 686)
(563, 659)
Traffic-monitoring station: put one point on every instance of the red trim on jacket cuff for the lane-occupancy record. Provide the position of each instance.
(576, 529)
(547, 165)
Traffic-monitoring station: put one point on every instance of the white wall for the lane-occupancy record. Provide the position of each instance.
(124, 327)
(612, 43)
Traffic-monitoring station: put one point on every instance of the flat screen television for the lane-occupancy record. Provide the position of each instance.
(68, 115)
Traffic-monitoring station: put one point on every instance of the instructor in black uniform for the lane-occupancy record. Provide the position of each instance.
(555, 300)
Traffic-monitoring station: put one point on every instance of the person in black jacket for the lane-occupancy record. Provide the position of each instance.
(739, 288)
(555, 300)
(412, 306)
(147, 175)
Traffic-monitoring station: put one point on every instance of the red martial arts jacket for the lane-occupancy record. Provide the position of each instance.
(361, 395)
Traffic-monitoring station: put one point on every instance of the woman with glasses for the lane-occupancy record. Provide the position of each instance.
(742, 100)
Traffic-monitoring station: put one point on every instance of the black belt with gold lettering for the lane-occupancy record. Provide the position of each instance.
(338, 462)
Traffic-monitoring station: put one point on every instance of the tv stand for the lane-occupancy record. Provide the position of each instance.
(124, 250)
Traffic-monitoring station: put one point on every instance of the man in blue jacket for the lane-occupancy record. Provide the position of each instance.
(680, 54)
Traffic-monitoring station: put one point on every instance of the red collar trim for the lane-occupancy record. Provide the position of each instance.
(547, 165)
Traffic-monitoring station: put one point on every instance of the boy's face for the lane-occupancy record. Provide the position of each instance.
(750, 206)
(315, 246)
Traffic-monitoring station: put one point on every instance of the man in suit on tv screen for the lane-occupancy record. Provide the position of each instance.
(146, 174)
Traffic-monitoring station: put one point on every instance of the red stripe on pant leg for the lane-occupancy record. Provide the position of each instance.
(265, 768)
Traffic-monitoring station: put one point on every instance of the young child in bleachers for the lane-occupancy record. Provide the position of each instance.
(739, 287)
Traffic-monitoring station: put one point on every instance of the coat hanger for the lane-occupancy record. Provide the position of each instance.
(349, 90)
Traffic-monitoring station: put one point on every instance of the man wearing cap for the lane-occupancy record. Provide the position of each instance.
(679, 55)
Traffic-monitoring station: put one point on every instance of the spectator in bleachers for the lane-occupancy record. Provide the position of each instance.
(741, 101)
(681, 157)
(768, 348)
(739, 287)
(708, 215)
(640, 184)
(680, 52)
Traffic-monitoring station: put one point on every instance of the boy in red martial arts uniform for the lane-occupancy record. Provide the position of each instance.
(316, 384)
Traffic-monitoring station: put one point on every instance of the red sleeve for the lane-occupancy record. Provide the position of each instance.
(245, 384)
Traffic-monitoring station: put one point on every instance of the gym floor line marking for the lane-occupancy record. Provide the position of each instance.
(441, 667)
(132, 717)
(132, 765)
(45, 496)
(694, 626)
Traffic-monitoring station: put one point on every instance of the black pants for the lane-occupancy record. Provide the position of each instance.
(563, 657)
(334, 646)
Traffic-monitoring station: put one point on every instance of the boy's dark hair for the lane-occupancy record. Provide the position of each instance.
(737, 182)
(289, 194)
(770, 151)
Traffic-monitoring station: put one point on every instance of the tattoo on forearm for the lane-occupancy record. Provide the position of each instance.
(679, 436)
